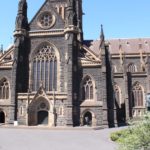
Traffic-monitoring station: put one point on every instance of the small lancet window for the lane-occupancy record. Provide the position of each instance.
(61, 111)
(4, 89)
(137, 95)
(21, 111)
(87, 89)
(117, 92)
(114, 68)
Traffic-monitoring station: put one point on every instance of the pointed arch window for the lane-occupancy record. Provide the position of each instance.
(87, 89)
(137, 95)
(4, 89)
(45, 69)
(132, 68)
(117, 92)
(114, 68)
(61, 111)
(61, 10)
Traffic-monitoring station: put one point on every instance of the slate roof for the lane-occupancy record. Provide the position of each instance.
(129, 46)
(93, 45)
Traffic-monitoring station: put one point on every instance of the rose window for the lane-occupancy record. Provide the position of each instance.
(46, 20)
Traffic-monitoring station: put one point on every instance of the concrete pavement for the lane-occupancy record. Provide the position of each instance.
(45, 139)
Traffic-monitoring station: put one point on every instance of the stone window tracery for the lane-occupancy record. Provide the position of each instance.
(46, 20)
(4, 89)
(45, 69)
(87, 89)
(131, 68)
(137, 95)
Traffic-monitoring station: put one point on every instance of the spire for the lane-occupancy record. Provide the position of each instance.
(79, 13)
(22, 7)
(1, 50)
(21, 19)
(102, 37)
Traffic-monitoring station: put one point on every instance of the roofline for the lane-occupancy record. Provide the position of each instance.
(37, 12)
(128, 38)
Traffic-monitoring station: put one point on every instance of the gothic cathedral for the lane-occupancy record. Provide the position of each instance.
(52, 76)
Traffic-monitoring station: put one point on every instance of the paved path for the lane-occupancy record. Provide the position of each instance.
(44, 139)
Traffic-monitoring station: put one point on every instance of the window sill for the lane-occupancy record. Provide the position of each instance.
(91, 103)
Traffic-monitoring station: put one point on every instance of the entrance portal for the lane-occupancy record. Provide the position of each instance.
(42, 117)
(87, 119)
(2, 117)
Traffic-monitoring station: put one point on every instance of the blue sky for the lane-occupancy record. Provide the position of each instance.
(121, 18)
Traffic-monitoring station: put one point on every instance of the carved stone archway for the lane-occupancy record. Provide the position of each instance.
(88, 118)
(39, 112)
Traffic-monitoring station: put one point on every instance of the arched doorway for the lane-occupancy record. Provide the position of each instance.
(2, 117)
(42, 118)
(87, 119)
(39, 112)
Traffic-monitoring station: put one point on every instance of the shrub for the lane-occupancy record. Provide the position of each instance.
(115, 136)
(136, 137)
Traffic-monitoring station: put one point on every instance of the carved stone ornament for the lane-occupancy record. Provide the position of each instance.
(22, 5)
(70, 3)
(19, 21)
(70, 18)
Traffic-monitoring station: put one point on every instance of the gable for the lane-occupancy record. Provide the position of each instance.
(87, 57)
(51, 8)
(6, 60)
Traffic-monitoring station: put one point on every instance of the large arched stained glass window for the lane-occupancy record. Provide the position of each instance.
(45, 69)
(4, 89)
(87, 89)
(137, 95)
